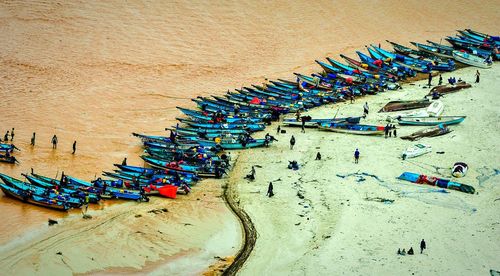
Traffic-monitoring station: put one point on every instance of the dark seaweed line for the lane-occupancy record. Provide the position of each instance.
(249, 233)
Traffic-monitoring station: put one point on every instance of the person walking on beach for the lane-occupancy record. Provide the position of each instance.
(394, 132)
(386, 130)
(356, 156)
(318, 156)
(74, 147)
(430, 79)
(422, 246)
(278, 130)
(477, 76)
(292, 142)
(33, 139)
(440, 80)
(270, 192)
(6, 137)
(54, 142)
(12, 135)
(351, 95)
(365, 109)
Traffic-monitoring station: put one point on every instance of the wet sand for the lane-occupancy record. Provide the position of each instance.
(95, 72)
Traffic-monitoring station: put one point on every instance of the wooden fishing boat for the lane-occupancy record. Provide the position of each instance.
(405, 105)
(440, 52)
(428, 132)
(416, 150)
(450, 88)
(471, 59)
(436, 181)
(352, 128)
(430, 121)
(314, 122)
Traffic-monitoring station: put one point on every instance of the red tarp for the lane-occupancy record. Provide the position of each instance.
(169, 191)
(255, 100)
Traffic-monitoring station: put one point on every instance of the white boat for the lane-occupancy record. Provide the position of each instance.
(459, 169)
(435, 109)
(416, 150)
(471, 59)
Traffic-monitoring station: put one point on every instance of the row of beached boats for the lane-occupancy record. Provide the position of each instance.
(197, 145)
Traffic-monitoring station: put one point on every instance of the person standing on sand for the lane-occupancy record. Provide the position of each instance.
(124, 162)
(270, 192)
(318, 156)
(12, 135)
(477, 76)
(394, 132)
(365, 109)
(422, 246)
(430, 79)
(74, 147)
(440, 80)
(33, 139)
(6, 137)
(292, 142)
(386, 130)
(278, 130)
(356, 156)
(54, 142)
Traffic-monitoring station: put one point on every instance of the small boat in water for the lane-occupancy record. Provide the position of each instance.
(436, 181)
(428, 132)
(430, 121)
(416, 150)
(352, 128)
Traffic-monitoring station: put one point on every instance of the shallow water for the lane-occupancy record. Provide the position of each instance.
(96, 71)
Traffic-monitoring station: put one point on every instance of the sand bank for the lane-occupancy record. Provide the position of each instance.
(325, 218)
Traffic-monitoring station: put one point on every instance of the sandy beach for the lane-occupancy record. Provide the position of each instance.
(327, 219)
(93, 72)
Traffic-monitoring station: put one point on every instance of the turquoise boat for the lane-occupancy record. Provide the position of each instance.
(436, 181)
(431, 121)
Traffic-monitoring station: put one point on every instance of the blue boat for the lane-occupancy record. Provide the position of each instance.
(435, 181)
(430, 121)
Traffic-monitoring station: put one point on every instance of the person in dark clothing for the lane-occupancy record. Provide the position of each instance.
(390, 130)
(54, 142)
(356, 156)
(33, 139)
(124, 162)
(278, 130)
(394, 132)
(365, 109)
(74, 147)
(477, 76)
(422, 246)
(270, 192)
(6, 137)
(440, 79)
(430, 79)
(410, 251)
(12, 135)
(386, 130)
(318, 156)
(251, 175)
(292, 142)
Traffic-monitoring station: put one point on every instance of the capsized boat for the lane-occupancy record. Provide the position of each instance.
(405, 105)
(450, 88)
(352, 128)
(430, 121)
(416, 150)
(433, 110)
(428, 132)
(436, 181)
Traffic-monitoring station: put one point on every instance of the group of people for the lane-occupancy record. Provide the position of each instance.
(6, 136)
(410, 251)
(390, 130)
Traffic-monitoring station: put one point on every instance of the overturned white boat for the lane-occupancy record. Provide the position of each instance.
(416, 150)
